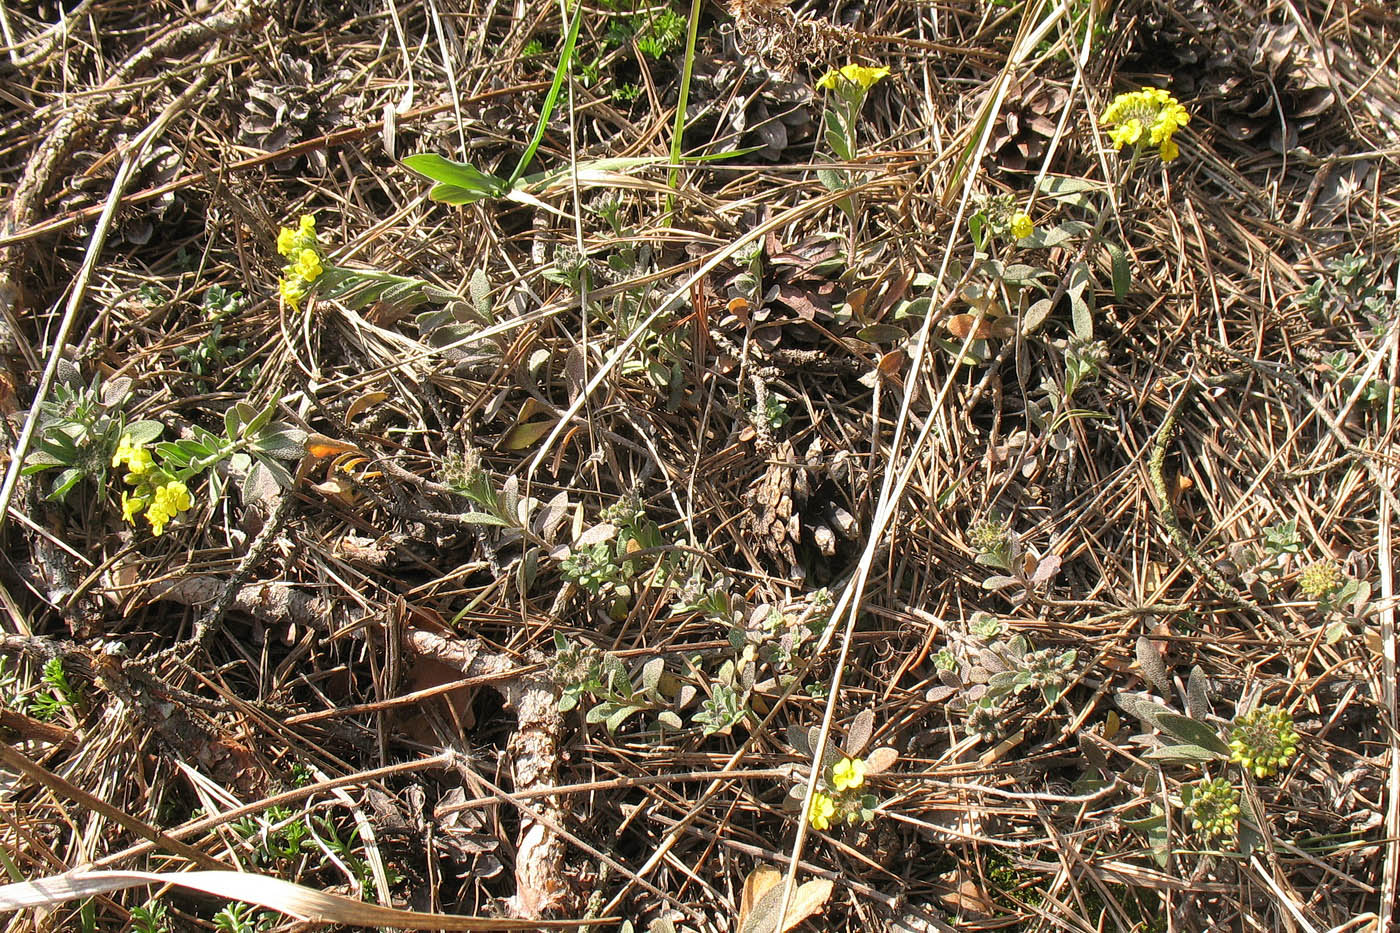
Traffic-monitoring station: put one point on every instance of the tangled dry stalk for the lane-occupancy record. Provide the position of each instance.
(749, 384)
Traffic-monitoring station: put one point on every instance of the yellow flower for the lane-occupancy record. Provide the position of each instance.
(304, 260)
(1126, 134)
(848, 773)
(854, 74)
(158, 519)
(1022, 226)
(1150, 115)
(286, 241)
(307, 265)
(291, 242)
(135, 457)
(168, 500)
(822, 809)
(173, 497)
(131, 507)
(293, 291)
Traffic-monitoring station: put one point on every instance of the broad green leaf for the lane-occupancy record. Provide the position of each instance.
(483, 518)
(1150, 660)
(273, 471)
(651, 675)
(232, 422)
(1045, 237)
(65, 481)
(831, 179)
(836, 135)
(58, 444)
(1021, 274)
(457, 182)
(1249, 838)
(280, 440)
(195, 448)
(1081, 298)
(1197, 693)
(621, 715)
(1141, 707)
(480, 289)
(38, 461)
(1195, 733)
(260, 420)
(882, 333)
(456, 196)
(1122, 271)
(115, 391)
(527, 570)
(1143, 824)
(919, 307)
(144, 432)
(1076, 192)
(173, 454)
(1159, 839)
(1035, 316)
(209, 439)
(976, 354)
(1059, 185)
(1190, 754)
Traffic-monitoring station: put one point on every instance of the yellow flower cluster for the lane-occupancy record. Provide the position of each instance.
(857, 75)
(847, 775)
(156, 493)
(1215, 808)
(1320, 579)
(1263, 740)
(1022, 226)
(1150, 116)
(303, 260)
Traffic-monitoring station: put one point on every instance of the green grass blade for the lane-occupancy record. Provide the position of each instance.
(692, 30)
(550, 99)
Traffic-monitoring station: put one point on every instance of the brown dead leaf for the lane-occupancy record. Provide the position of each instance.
(763, 898)
(739, 307)
(892, 364)
(880, 760)
(758, 883)
(963, 894)
(960, 325)
(1177, 486)
(319, 447)
(364, 403)
(525, 435)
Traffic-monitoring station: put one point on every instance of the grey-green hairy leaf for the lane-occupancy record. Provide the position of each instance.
(1196, 733)
(1191, 754)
